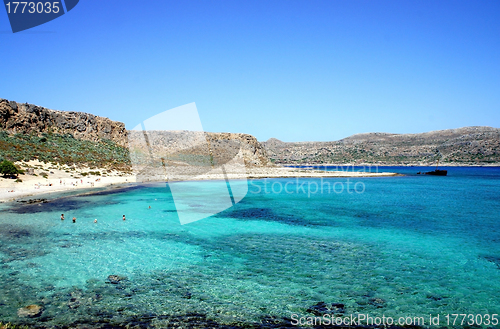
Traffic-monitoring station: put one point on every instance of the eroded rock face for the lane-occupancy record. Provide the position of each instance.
(29, 118)
(30, 311)
(220, 146)
(254, 153)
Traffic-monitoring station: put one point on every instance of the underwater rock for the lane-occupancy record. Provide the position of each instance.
(30, 311)
(434, 298)
(493, 259)
(322, 308)
(115, 279)
(74, 303)
(338, 308)
(33, 201)
(377, 302)
(75, 299)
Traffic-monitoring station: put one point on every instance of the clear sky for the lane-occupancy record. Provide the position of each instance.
(294, 70)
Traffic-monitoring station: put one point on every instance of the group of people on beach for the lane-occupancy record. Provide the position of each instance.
(74, 218)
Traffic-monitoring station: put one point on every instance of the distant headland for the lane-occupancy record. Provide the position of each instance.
(468, 146)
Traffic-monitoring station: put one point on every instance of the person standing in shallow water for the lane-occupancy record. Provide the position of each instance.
(123, 217)
(74, 219)
(62, 216)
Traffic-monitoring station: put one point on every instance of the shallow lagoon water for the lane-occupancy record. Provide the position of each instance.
(406, 246)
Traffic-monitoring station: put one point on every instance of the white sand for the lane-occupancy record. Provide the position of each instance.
(64, 178)
(59, 179)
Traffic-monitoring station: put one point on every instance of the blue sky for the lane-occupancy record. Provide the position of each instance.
(294, 70)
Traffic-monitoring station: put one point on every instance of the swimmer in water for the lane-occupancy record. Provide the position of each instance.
(74, 219)
(149, 207)
(123, 217)
(62, 216)
(95, 220)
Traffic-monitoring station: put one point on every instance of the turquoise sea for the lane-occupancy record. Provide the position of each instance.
(406, 246)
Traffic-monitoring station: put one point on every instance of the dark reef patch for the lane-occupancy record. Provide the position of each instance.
(322, 308)
(68, 203)
(493, 259)
(267, 214)
(59, 205)
(16, 253)
(11, 232)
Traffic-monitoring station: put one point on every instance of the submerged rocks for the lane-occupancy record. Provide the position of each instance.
(493, 259)
(75, 299)
(377, 302)
(30, 311)
(115, 279)
(33, 201)
(323, 308)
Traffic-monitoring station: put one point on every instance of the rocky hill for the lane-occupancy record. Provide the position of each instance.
(463, 146)
(185, 155)
(17, 118)
(190, 148)
(254, 154)
(30, 132)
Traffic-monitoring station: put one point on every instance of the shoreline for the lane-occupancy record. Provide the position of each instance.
(60, 182)
(444, 164)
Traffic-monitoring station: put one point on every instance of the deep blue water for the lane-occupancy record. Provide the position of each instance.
(396, 246)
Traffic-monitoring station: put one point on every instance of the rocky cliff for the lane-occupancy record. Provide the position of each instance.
(196, 148)
(254, 154)
(33, 119)
(29, 119)
(463, 146)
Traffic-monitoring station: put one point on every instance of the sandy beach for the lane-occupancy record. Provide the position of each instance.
(41, 178)
(284, 172)
(58, 179)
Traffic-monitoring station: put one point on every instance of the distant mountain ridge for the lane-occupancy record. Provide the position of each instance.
(462, 146)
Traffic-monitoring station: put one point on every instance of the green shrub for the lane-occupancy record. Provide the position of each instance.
(8, 169)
